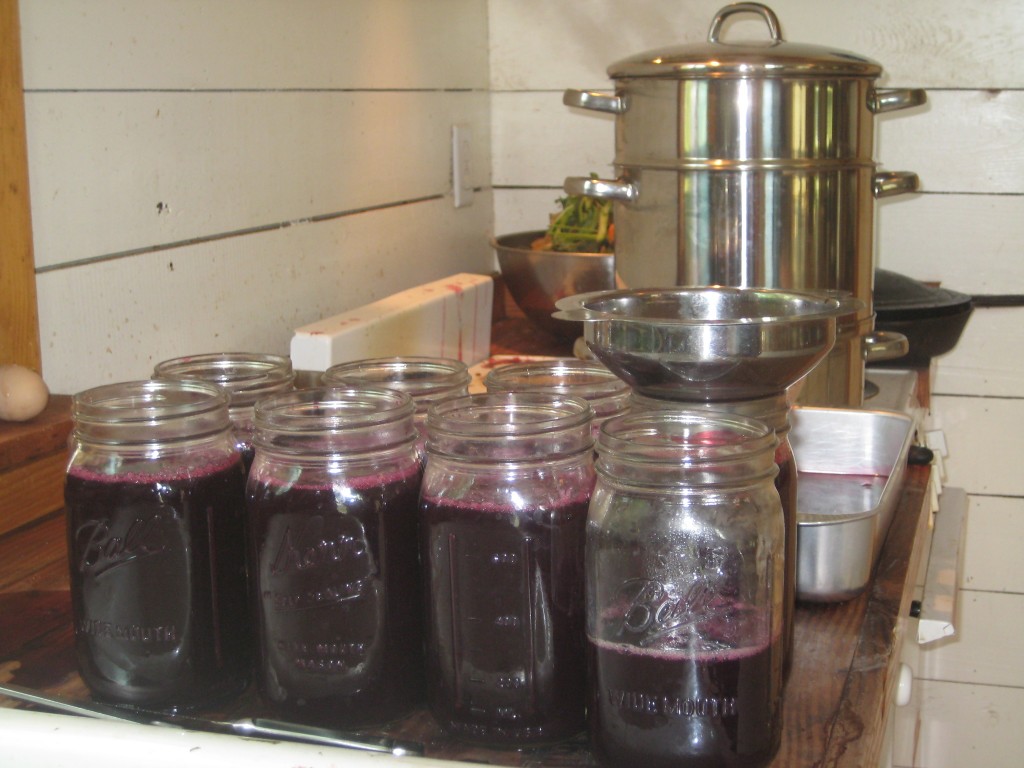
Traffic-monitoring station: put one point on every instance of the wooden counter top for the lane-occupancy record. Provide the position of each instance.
(837, 700)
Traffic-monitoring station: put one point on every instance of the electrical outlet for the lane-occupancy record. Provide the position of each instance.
(462, 177)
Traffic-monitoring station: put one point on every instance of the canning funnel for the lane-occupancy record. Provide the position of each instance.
(715, 343)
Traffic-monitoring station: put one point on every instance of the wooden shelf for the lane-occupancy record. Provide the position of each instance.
(33, 459)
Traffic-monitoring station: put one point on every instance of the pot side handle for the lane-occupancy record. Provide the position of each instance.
(893, 99)
(890, 183)
(884, 345)
(596, 101)
(604, 189)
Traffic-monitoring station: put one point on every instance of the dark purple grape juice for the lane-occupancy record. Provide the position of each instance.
(337, 594)
(506, 636)
(158, 584)
(664, 709)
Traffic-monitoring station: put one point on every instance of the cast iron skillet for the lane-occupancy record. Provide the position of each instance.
(931, 318)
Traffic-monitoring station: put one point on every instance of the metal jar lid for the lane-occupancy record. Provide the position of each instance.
(773, 57)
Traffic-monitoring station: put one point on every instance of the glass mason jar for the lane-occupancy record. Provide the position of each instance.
(684, 576)
(607, 394)
(503, 507)
(155, 505)
(774, 412)
(427, 380)
(333, 552)
(247, 377)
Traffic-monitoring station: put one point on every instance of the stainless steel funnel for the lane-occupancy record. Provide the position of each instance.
(708, 344)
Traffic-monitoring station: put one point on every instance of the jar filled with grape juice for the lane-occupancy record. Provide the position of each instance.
(247, 377)
(684, 575)
(333, 553)
(503, 507)
(155, 506)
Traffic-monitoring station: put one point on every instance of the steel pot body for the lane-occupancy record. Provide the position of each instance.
(746, 164)
(804, 227)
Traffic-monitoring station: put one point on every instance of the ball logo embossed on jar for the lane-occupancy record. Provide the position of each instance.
(104, 544)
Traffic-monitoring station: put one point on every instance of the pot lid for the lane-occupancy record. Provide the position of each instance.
(771, 57)
(897, 296)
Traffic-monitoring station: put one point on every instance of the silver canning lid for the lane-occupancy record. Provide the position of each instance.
(770, 57)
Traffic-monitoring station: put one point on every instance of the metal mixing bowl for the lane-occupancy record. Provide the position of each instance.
(710, 343)
(538, 279)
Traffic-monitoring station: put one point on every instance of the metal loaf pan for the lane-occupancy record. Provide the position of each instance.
(850, 469)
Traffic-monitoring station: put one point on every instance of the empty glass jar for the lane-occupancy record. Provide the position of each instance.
(503, 506)
(427, 380)
(247, 377)
(684, 577)
(607, 394)
(155, 506)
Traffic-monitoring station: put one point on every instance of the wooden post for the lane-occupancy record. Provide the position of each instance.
(19, 318)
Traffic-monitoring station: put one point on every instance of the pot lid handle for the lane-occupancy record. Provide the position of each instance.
(774, 28)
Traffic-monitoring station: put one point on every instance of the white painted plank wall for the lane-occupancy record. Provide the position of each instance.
(966, 228)
(208, 176)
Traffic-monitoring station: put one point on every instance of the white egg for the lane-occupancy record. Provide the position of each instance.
(23, 393)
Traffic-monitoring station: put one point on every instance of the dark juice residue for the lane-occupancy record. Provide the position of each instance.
(158, 584)
(338, 598)
(506, 636)
(663, 709)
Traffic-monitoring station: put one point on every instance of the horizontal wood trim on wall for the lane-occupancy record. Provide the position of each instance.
(537, 44)
(950, 725)
(983, 435)
(255, 44)
(986, 648)
(992, 553)
(115, 320)
(986, 362)
(117, 172)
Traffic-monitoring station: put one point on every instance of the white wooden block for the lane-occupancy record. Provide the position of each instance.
(449, 318)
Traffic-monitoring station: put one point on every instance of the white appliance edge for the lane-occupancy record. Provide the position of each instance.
(43, 740)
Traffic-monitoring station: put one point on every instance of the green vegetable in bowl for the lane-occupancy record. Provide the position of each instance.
(585, 225)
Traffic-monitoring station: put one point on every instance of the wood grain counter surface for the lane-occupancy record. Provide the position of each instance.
(837, 699)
